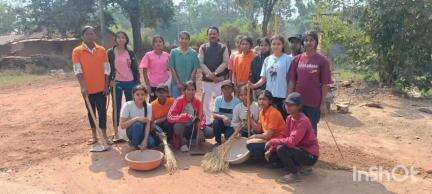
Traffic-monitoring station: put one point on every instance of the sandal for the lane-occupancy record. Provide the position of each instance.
(291, 178)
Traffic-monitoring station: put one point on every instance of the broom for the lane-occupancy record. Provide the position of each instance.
(215, 161)
(170, 161)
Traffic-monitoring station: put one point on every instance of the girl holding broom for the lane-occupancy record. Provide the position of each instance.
(271, 125)
(135, 118)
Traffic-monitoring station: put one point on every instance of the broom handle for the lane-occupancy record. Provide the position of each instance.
(334, 139)
(92, 114)
(114, 104)
(248, 102)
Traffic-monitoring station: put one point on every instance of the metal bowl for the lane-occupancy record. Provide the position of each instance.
(144, 160)
(239, 152)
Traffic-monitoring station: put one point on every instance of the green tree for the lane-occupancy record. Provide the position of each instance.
(62, 16)
(267, 10)
(7, 19)
(151, 13)
(401, 36)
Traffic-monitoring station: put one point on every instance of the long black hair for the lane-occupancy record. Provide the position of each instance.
(267, 94)
(125, 35)
(280, 38)
(144, 89)
(156, 37)
(313, 35)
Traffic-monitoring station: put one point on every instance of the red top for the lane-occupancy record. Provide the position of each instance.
(299, 134)
(310, 73)
(176, 115)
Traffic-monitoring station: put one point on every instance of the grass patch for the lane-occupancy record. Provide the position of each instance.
(370, 78)
(12, 79)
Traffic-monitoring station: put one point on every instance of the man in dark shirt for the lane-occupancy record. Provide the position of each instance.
(213, 57)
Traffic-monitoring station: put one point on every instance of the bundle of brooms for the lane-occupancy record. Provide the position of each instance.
(216, 160)
(170, 161)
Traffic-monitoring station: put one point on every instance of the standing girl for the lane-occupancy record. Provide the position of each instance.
(124, 71)
(155, 67)
(274, 73)
(242, 63)
(257, 63)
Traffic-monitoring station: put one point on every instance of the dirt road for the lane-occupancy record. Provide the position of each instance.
(43, 130)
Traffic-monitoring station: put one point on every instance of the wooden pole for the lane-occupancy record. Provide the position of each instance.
(248, 103)
(114, 104)
(92, 113)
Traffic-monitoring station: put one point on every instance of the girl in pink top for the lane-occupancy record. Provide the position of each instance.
(155, 66)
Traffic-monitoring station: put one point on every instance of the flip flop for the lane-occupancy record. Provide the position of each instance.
(99, 148)
(117, 140)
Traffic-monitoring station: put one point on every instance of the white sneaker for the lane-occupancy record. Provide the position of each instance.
(184, 148)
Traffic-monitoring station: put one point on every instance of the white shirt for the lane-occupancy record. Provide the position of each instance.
(276, 70)
(129, 110)
(240, 114)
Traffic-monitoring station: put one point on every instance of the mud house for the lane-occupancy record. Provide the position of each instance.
(38, 54)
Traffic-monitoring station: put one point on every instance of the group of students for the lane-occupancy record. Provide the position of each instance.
(282, 127)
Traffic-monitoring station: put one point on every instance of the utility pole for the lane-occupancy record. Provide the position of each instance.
(102, 22)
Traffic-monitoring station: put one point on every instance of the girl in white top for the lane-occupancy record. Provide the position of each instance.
(275, 72)
(135, 118)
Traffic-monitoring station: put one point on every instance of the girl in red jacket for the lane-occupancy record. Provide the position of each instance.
(299, 147)
(186, 113)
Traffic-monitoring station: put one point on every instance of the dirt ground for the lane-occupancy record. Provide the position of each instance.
(43, 134)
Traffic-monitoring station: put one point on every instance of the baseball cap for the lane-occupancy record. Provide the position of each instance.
(227, 83)
(294, 98)
(298, 37)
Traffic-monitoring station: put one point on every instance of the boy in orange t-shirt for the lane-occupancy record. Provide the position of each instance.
(241, 69)
(160, 108)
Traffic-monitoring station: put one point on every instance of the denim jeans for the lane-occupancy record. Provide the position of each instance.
(314, 116)
(175, 92)
(136, 133)
(98, 104)
(219, 128)
(126, 89)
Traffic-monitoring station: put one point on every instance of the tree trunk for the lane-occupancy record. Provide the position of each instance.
(265, 22)
(136, 33)
(267, 7)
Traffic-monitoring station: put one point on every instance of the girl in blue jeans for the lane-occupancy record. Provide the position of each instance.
(135, 117)
(124, 71)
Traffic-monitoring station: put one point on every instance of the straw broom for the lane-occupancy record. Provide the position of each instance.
(215, 161)
(170, 161)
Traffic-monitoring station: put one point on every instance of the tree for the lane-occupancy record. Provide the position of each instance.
(60, 16)
(266, 6)
(7, 19)
(401, 37)
(151, 13)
